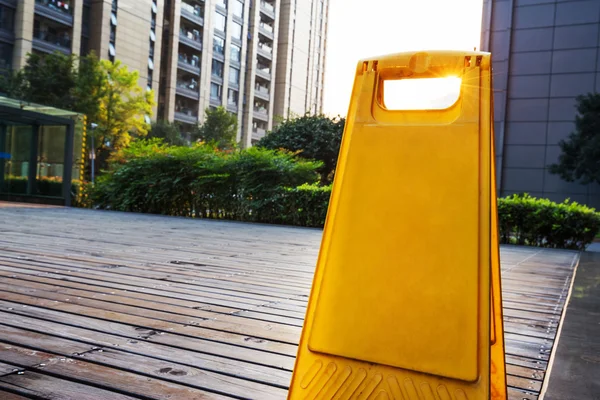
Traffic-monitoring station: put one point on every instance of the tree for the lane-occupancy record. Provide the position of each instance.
(167, 131)
(123, 107)
(580, 158)
(45, 79)
(314, 137)
(219, 128)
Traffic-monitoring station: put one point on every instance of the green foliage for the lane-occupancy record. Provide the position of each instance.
(49, 80)
(123, 104)
(168, 131)
(304, 205)
(580, 158)
(219, 128)
(199, 181)
(526, 220)
(315, 137)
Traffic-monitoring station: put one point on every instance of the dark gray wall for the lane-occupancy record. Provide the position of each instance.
(544, 54)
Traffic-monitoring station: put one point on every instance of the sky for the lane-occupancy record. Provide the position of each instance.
(360, 29)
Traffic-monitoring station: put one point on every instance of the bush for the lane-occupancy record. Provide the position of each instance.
(526, 220)
(199, 181)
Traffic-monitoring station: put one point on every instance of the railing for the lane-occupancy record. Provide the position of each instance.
(188, 89)
(266, 27)
(59, 6)
(194, 41)
(63, 41)
(268, 6)
(262, 92)
(192, 13)
(184, 63)
(52, 10)
(265, 72)
(267, 9)
(265, 48)
(187, 116)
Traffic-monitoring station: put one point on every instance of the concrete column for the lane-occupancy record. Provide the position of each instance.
(24, 16)
(77, 23)
(172, 56)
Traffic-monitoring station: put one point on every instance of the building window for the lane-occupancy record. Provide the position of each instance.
(215, 91)
(236, 31)
(238, 8)
(236, 53)
(218, 45)
(217, 69)
(234, 76)
(219, 21)
(222, 3)
(6, 51)
(7, 17)
(232, 97)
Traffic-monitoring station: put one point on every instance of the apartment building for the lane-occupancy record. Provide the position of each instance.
(260, 59)
(115, 29)
(544, 54)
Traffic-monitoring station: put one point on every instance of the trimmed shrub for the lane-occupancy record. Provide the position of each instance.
(526, 220)
(199, 181)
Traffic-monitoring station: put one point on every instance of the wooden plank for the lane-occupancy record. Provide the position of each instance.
(180, 308)
(228, 323)
(161, 375)
(13, 396)
(39, 386)
(148, 324)
(228, 363)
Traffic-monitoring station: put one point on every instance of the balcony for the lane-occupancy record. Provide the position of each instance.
(192, 13)
(267, 9)
(182, 65)
(52, 10)
(188, 89)
(263, 71)
(185, 64)
(190, 40)
(186, 116)
(266, 30)
(49, 43)
(262, 92)
(259, 132)
(265, 50)
(261, 113)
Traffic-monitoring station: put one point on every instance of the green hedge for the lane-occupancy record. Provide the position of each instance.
(527, 220)
(273, 187)
(204, 182)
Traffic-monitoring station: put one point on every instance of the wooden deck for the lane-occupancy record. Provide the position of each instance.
(101, 305)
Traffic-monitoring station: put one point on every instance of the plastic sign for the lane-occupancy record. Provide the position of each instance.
(406, 300)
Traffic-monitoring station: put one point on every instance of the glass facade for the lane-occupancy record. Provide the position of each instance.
(218, 45)
(217, 69)
(40, 153)
(238, 8)
(236, 53)
(219, 21)
(236, 31)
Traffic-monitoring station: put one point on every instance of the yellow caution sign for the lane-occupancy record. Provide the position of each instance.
(406, 301)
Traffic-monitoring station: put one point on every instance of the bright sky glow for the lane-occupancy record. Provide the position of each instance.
(360, 29)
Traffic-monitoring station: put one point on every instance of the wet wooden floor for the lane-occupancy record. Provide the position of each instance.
(100, 305)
